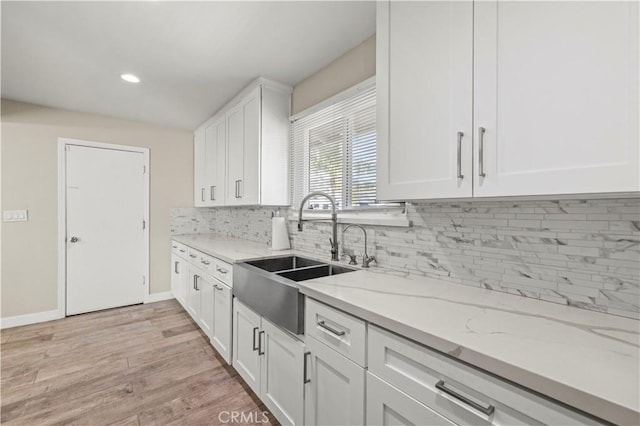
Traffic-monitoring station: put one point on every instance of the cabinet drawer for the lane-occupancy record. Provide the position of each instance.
(223, 271)
(387, 405)
(336, 329)
(461, 393)
(178, 249)
(193, 256)
(205, 262)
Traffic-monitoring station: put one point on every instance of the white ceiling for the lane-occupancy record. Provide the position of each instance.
(192, 57)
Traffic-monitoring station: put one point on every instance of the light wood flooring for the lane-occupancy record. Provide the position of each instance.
(138, 365)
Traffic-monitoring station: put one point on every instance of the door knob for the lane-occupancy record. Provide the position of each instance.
(73, 239)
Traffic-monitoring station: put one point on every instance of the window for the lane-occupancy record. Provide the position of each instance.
(333, 150)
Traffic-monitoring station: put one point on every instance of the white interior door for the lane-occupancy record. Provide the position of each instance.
(105, 237)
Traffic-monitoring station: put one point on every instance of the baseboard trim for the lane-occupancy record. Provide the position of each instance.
(159, 297)
(27, 319)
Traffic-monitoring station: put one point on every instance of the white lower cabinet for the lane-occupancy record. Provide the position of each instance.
(271, 362)
(179, 278)
(193, 296)
(387, 405)
(334, 387)
(221, 329)
(205, 320)
(207, 299)
(416, 378)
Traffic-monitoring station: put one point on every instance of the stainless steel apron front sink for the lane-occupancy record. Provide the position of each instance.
(268, 286)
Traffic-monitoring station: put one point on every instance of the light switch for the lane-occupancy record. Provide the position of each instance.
(15, 215)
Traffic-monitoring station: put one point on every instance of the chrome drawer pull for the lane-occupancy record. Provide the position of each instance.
(331, 329)
(254, 338)
(193, 256)
(481, 172)
(222, 271)
(486, 410)
(217, 287)
(304, 371)
(260, 350)
(182, 250)
(206, 262)
(176, 268)
(459, 174)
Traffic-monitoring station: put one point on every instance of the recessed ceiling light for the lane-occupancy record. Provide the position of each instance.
(130, 78)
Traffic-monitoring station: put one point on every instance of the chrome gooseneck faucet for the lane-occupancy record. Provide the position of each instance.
(366, 259)
(334, 220)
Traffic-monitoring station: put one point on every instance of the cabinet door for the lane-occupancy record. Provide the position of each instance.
(205, 285)
(281, 384)
(249, 187)
(425, 76)
(222, 315)
(246, 333)
(215, 136)
(334, 394)
(199, 166)
(386, 405)
(556, 90)
(235, 153)
(179, 278)
(175, 277)
(193, 296)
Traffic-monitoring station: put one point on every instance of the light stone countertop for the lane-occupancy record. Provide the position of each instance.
(230, 250)
(582, 358)
(585, 359)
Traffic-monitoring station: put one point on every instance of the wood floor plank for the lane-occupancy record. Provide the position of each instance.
(142, 364)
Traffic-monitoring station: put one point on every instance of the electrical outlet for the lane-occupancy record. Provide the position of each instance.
(15, 215)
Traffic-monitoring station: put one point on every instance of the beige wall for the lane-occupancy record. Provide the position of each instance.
(29, 180)
(356, 65)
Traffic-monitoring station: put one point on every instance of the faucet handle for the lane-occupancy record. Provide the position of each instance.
(366, 260)
(352, 259)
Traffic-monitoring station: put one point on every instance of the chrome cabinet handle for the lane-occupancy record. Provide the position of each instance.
(260, 351)
(74, 239)
(213, 193)
(193, 256)
(195, 277)
(459, 159)
(240, 188)
(205, 262)
(481, 131)
(217, 287)
(304, 370)
(254, 338)
(486, 410)
(182, 250)
(196, 282)
(202, 193)
(331, 329)
(176, 268)
(174, 246)
(222, 271)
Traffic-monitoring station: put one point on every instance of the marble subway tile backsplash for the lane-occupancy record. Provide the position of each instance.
(584, 253)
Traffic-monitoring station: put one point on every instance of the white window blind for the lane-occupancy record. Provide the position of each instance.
(333, 150)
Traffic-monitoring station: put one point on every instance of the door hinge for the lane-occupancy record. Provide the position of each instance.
(144, 224)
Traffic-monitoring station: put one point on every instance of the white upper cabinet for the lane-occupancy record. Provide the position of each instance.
(556, 90)
(424, 82)
(216, 165)
(199, 167)
(247, 149)
(542, 95)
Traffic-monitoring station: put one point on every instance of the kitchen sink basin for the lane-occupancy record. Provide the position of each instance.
(269, 287)
(314, 272)
(284, 263)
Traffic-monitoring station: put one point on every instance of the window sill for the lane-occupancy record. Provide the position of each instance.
(383, 217)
